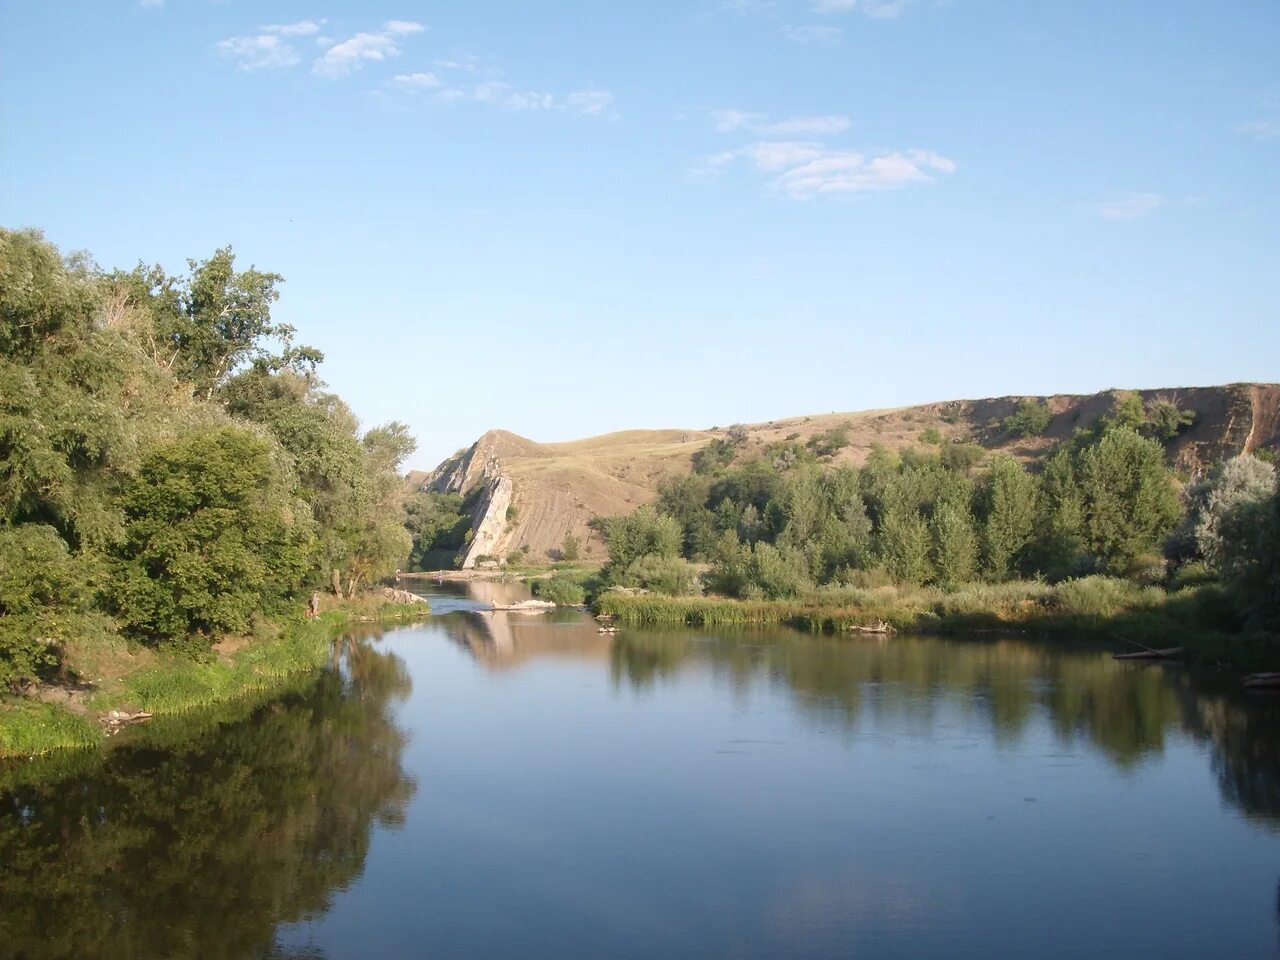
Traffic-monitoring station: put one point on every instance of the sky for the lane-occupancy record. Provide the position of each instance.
(567, 218)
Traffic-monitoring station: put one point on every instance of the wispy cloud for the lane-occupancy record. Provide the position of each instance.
(805, 169)
(273, 46)
(508, 97)
(815, 35)
(350, 54)
(498, 93)
(1131, 207)
(1260, 129)
(153, 4)
(418, 81)
(875, 9)
(730, 121)
(589, 102)
(265, 51)
(303, 28)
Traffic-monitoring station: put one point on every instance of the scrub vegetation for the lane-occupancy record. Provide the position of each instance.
(174, 479)
(1100, 533)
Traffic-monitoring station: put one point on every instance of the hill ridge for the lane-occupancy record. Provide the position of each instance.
(553, 489)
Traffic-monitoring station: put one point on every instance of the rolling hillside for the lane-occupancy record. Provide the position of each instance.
(533, 494)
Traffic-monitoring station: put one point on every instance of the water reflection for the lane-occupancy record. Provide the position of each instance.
(219, 827)
(1127, 712)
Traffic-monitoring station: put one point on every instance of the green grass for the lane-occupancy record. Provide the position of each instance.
(1199, 618)
(174, 684)
(29, 728)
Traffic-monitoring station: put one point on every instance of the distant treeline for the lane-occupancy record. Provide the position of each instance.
(782, 522)
(171, 466)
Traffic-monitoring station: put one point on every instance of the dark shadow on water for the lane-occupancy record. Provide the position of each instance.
(200, 836)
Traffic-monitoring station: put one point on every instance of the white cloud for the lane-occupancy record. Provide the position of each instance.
(729, 121)
(876, 9)
(303, 28)
(468, 65)
(1132, 207)
(589, 102)
(808, 168)
(350, 54)
(417, 80)
(508, 97)
(847, 172)
(1260, 129)
(499, 94)
(265, 51)
(814, 126)
(817, 36)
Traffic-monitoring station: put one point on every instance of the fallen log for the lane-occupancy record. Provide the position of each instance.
(1262, 681)
(1151, 653)
(526, 606)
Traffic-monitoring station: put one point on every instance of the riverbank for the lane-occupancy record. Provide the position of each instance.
(129, 681)
(1197, 618)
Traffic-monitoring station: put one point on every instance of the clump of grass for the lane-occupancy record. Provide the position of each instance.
(29, 728)
(1119, 608)
(1102, 597)
(176, 685)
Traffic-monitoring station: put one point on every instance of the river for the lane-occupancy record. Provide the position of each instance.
(498, 785)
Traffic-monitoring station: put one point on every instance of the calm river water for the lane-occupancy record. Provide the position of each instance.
(498, 785)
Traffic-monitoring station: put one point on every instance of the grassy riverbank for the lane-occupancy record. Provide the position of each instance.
(1199, 618)
(68, 717)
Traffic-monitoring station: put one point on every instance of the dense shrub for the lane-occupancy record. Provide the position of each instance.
(213, 535)
(42, 595)
(561, 591)
(1030, 420)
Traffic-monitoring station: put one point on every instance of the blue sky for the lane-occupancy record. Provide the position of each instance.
(564, 218)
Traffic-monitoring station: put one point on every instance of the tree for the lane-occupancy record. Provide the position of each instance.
(571, 547)
(44, 596)
(1249, 557)
(1031, 419)
(955, 545)
(1241, 480)
(904, 545)
(1007, 510)
(213, 320)
(213, 535)
(1128, 498)
(636, 535)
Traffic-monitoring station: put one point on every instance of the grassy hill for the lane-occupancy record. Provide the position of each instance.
(558, 487)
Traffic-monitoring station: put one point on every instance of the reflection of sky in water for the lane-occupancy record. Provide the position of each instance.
(682, 795)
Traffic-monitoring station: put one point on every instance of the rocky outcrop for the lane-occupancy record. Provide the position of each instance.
(478, 464)
(489, 521)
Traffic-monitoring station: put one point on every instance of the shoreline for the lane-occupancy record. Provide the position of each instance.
(32, 726)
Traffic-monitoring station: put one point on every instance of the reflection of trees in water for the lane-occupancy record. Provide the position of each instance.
(1125, 711)
(199, 838)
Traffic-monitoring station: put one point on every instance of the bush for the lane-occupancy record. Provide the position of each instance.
(42, 592)
(1101, 597)
(561, 591)
(570, 548)
(1031, 419)
(669, 575)
(213, 536)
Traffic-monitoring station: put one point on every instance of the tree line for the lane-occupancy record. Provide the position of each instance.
(784, 521)
(171, 465)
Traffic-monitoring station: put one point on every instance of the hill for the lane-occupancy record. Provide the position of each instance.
(529, 494)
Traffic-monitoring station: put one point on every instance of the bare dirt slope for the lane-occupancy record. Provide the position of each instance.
(558, 487)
